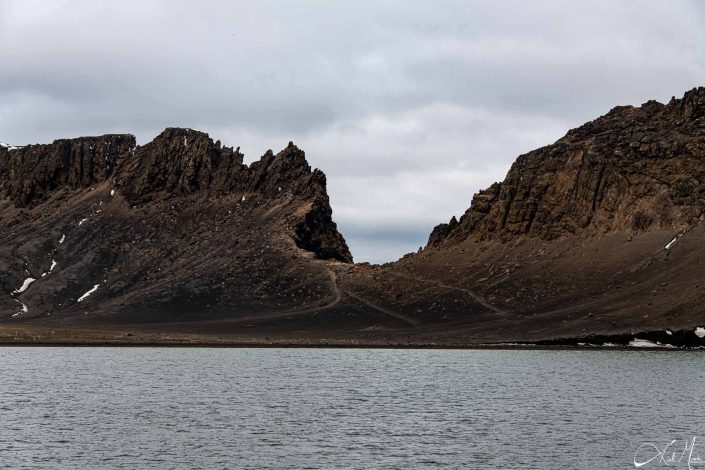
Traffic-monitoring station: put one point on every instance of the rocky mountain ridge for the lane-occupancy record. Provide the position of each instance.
(633, 170)
(178, 162)
(595, 238)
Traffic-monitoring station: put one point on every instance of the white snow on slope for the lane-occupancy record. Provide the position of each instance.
(670, 244)
(63, 237)
(112, 192)
(24, 309)
(25, 285)
(645, 343)
(87, 294)
(81, 221)
(53, 265)
(700, 332)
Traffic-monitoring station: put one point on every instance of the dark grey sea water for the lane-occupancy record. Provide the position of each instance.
(346, 408)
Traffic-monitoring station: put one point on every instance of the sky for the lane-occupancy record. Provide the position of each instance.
(408, 107)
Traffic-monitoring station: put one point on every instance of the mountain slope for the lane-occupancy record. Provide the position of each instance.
(597, 234)
(596, 237)
(178, 228)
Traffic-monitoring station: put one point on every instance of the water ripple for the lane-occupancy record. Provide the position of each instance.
(129, 408)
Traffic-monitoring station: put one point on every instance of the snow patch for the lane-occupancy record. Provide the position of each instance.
(700, 332)
(87, 294)
(63, 237)
(669, 332)
(25, 285)
(81, 221)
(24, 308)
(185, 142)
(645, 343)
(112, 192)
(53, 265)
(243, 198)
(670, 244)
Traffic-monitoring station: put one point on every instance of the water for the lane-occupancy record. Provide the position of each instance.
(343, 408)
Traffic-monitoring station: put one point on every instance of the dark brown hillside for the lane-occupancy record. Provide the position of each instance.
(597, 237)
(178, 228)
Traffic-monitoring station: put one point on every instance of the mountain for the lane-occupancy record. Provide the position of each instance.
(99, 230)
(595, 238)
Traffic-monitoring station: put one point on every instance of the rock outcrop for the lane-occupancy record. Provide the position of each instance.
(635, 169)
(177, 163)
(30, 174)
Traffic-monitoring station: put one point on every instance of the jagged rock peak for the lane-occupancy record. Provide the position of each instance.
(441, 231)
(633, 169)
(182, 161)
(693, 103)
(177, 161)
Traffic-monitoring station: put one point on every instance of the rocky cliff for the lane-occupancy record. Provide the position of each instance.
(596, 238)
(29, 175)
(633, 170)
(99, 230)
(178, 162)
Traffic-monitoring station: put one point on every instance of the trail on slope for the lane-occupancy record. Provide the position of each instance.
(476, 297)
(337, 297)
(410, 320)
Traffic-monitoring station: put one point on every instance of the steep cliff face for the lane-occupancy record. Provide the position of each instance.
(177, 163)
(30, 174)
(632, 170)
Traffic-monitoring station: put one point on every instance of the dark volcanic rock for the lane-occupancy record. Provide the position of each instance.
(441, 231)
(28, 175)
(178, 162)
(634, 169)
(596, 237)
(176, 230)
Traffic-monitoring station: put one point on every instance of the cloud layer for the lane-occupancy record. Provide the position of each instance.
(409, 107)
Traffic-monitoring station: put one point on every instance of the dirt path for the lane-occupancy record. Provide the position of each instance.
(476, 297)
(337, 297)
(410, 320)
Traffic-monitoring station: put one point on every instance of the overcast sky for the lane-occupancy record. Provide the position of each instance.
(408, 107)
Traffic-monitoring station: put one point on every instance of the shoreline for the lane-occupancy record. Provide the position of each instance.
(101, 336)
(313, 345)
